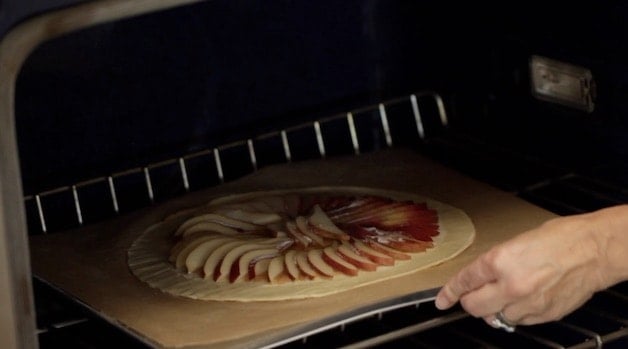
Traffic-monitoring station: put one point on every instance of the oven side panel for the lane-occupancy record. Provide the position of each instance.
(17, 321)
(17, 324)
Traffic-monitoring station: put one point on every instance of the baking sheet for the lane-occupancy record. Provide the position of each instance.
(90, 263)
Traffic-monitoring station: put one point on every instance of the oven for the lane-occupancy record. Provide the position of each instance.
(110, 109)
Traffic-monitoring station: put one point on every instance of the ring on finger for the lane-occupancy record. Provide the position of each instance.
(500, 321)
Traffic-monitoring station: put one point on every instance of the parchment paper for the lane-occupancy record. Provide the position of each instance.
(90, 263)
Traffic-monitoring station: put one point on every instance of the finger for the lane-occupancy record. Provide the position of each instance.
(486, 300)
(518, 312)
(543, 307)
(502, 322)
(534, 309)
(475, 275)
(534, 320)
(490, 320)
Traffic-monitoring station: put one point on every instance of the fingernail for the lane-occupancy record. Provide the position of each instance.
(441, 303)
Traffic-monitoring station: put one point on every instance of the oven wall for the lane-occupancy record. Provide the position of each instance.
(122, 94)
(137, 91)
(591, 35)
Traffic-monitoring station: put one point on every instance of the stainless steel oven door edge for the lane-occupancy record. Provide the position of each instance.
(341, 319)
(17, 321)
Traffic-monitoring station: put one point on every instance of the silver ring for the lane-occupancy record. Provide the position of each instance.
(500, 322)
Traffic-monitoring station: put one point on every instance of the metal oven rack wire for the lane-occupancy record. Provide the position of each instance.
(215, 157)
(398, 323)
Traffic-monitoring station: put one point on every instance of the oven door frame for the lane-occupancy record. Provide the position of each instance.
(17, 323)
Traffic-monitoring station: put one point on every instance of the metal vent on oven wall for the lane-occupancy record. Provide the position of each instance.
(562, 83)
(400, 121)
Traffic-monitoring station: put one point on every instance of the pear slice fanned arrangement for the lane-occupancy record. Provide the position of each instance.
(283, 238)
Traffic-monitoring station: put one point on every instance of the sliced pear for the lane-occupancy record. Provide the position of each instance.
(331, 257)
(261, 206)
(259, 218)
(276, 203)
(198, 256)
(375, 256)
(260, 270)
(396, 254)
(315, 257)
(304, 227)
(214, 260)
(409, 245)
(348, 252)
(299, 237)
(290, 260)
(209, 227)
(179, 261)
(320, 220)
(182, 243)
(305, 266)
(244, 269)
(216, 218)
(231, 258)
(276, 269)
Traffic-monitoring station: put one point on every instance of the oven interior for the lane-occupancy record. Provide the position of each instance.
(123, 115)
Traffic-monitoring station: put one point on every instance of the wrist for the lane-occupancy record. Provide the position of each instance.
(612, 236)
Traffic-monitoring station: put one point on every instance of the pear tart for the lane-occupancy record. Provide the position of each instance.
(301, 237)
(297, 244)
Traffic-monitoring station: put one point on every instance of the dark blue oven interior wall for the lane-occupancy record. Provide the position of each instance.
(158, 86)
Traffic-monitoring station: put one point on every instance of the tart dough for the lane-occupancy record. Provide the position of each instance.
(148, 255)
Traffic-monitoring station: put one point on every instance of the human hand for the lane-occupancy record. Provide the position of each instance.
(545, 273)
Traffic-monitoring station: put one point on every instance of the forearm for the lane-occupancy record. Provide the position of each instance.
(613, 237)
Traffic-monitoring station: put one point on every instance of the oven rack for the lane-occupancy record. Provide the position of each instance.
(411, 321)
(364, 129)
(559, 190)
(420, 325)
